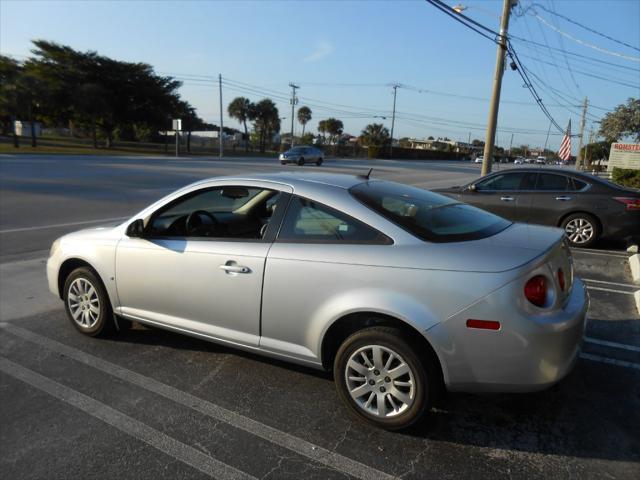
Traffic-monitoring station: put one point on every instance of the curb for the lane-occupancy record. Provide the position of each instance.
(636, 296)
(634, 263)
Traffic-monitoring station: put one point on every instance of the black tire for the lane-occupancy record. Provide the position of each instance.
(424, 375)
(283, 163)
(588, 221)
(104, 324)
(301, 161)
(319, 162)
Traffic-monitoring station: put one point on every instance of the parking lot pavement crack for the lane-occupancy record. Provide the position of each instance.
(342, 437)
(413, 462)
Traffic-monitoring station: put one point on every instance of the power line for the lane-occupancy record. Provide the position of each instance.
(570, 20)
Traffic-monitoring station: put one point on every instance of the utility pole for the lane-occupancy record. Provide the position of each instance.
(510, 145)
(497, 86)
(393, 117)
(294, 102)
(220, 137)
(580, 161)
(546, 140)
(586, 149)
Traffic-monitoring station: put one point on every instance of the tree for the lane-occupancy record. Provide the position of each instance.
(304, 115)
(430, 138)
(623, 122)
(375, 135)
(266, 121)
(10, 101)
(307, 139)
(331, 126)
(240, 109)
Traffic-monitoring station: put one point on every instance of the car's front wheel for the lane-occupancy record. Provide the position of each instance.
(319, 161)
(87, 303)
(301, 161)
(581, 229)
(382, 380)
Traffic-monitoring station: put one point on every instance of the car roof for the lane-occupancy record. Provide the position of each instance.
(300, 179)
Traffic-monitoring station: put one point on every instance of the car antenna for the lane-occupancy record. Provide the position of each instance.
(367, 175)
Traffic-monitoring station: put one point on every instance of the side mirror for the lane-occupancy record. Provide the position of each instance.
(472, 188)
(136, 229)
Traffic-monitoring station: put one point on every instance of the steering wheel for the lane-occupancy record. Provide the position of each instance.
(196, 226)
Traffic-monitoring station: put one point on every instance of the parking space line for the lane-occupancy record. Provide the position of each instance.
(59, 225)
(290, 442)
(610, 361)
(628, 285)
(610, 253)
(606, 343)
(609, 290)
(166, 444)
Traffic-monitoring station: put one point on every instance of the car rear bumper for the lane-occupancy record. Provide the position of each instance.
(52, 275)
(528, 353)
(624, 226)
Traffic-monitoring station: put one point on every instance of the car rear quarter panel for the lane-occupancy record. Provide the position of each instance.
(308, 287)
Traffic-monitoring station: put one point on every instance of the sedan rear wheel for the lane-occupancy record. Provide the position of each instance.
(581, 229)
(87, 304)
(301, 161)
(319, 161)
(381, 379)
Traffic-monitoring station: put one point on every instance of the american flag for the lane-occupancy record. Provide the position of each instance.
(565, 147)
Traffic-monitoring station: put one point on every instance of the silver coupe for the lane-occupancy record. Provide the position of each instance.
(401, 292)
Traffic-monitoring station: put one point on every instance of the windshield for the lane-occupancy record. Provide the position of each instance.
(427, 215)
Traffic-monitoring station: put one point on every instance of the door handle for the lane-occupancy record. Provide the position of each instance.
(507, 199)
(235, 269)
(563, 198)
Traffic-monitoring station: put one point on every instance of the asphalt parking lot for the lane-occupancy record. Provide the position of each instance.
(153, 404)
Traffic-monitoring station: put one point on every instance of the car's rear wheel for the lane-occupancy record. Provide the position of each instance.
(382, 380)
(283, 163)
(87, 303)
(319, 161)
(581, 229)
(301, 161)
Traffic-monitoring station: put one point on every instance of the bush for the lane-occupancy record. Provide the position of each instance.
(626, 177)
(373, 151)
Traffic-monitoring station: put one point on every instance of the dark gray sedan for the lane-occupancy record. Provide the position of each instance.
(301, 155)
(585, 206)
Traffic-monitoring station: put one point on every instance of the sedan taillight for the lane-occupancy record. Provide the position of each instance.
(630, 202)
(536, 290)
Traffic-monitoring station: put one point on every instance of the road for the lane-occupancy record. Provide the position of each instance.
(153, 404)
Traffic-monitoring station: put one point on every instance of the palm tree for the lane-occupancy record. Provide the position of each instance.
(266, 120)
(304, 115)
(240, 109)
(375, 134)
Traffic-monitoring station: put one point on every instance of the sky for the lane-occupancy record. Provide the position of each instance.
(344, 55)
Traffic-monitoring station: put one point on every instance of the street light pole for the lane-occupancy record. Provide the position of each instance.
(497, 86)
(294, 101)
(221, 136)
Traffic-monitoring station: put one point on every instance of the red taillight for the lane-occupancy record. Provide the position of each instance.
(561, 279)
(536, 290)
(630, 202)
(484, 324)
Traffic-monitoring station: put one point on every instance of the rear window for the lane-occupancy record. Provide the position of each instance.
(427, 215)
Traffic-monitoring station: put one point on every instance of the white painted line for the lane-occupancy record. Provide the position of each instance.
(58, 225)
(295, 444)
(607, 343)
(609, 290)
(628, 285)
(596, 252)
(610, 361)
(169, 445)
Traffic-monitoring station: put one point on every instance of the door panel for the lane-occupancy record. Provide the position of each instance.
(502, 194)
(180, 283)
(552, 199)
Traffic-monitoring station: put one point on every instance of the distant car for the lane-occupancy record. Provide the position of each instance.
(301, 155)
(398, 290)
(519, 161)
(479, 160)
(541, 161)
(586, 207)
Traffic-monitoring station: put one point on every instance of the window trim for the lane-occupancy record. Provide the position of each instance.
(272, 228)
(497, 174)
(383, 239)
(568, 175)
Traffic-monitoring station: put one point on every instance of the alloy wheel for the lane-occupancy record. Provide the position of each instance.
(84, 303)
(579, 230)
(379, 381)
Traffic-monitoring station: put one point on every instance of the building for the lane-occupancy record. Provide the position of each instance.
(443, 145)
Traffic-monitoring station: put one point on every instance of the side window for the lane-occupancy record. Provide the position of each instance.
(225, 212)
(550, 181)
(506, 181)
(309, 221)
(577, 184)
